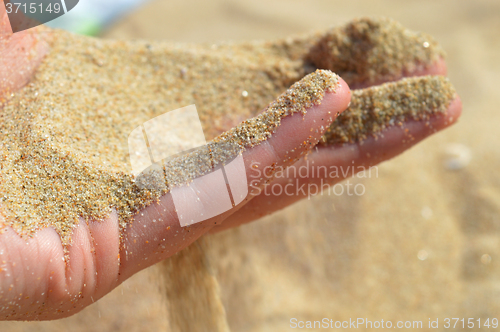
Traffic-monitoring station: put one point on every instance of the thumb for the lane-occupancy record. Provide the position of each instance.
(20, 55)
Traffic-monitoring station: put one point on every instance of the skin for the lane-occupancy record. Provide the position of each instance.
(36, 283)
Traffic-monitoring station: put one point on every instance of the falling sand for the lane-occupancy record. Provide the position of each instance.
(64, 151)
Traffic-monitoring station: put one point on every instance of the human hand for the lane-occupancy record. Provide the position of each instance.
(36, 282)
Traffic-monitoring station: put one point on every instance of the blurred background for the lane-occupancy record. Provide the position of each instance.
(422, 243)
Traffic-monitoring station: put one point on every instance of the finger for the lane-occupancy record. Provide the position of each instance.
(40, 281)
(437, 67)
(20, 55)
(358, 156)
(370, 51)
(365, 52)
